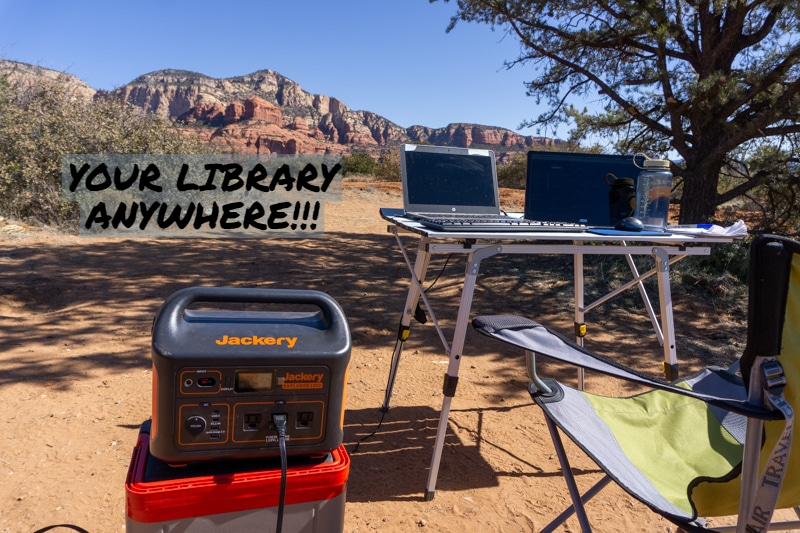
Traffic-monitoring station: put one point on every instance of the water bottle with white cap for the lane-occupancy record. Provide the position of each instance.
(653, 188)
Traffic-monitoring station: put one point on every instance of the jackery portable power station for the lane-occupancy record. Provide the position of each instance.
(220, 374)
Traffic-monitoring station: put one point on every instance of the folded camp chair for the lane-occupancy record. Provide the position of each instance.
(714, 444)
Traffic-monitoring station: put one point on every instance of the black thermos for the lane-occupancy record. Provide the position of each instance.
(621, 198)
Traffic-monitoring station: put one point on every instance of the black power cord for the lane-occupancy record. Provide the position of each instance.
(421, 317)
(279, 419)
(66, 526)
(384, 410)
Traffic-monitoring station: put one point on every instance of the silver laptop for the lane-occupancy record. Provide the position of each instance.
(448, 180)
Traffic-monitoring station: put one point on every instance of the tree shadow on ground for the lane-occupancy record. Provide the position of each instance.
(82, 291)
(393, 464)
(87, 291)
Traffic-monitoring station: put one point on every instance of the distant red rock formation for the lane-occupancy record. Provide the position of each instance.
(264, 112)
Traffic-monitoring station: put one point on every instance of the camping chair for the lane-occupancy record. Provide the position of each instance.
(654, 444)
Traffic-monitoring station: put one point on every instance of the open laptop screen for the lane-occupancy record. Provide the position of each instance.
(571, 187)
(446, 179)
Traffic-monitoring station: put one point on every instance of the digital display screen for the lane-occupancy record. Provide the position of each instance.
(450, 179)
(572, 187)
(261, 381)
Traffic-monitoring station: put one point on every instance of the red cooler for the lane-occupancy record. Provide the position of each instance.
(239, 495)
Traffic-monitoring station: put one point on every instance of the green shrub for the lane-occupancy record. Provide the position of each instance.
(731, 258)
(388, 167)
(514, 173)
(358, 163)
(42, 120)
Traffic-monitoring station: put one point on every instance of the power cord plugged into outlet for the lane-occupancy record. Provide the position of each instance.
(279, 420)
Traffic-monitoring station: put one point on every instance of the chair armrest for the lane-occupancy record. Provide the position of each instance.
(529, 335)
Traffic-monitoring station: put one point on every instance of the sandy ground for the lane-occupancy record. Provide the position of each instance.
(75, 372)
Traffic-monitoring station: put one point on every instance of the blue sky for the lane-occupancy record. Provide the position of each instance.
(390, 57)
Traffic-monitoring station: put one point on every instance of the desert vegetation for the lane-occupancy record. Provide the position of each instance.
(41, 120)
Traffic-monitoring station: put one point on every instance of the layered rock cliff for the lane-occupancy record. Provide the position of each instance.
(265, 112)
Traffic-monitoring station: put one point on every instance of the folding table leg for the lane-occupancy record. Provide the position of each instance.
(420, 269)
(645, 297)
(457, 348)
(667, 321)
(580, 321)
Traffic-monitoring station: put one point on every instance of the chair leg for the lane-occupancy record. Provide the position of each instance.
(577, 500)
(588, 495)
(752, 448)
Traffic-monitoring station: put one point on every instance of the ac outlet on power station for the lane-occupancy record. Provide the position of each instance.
(252, 421)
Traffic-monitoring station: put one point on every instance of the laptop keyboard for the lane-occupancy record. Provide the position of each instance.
(498, 224)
